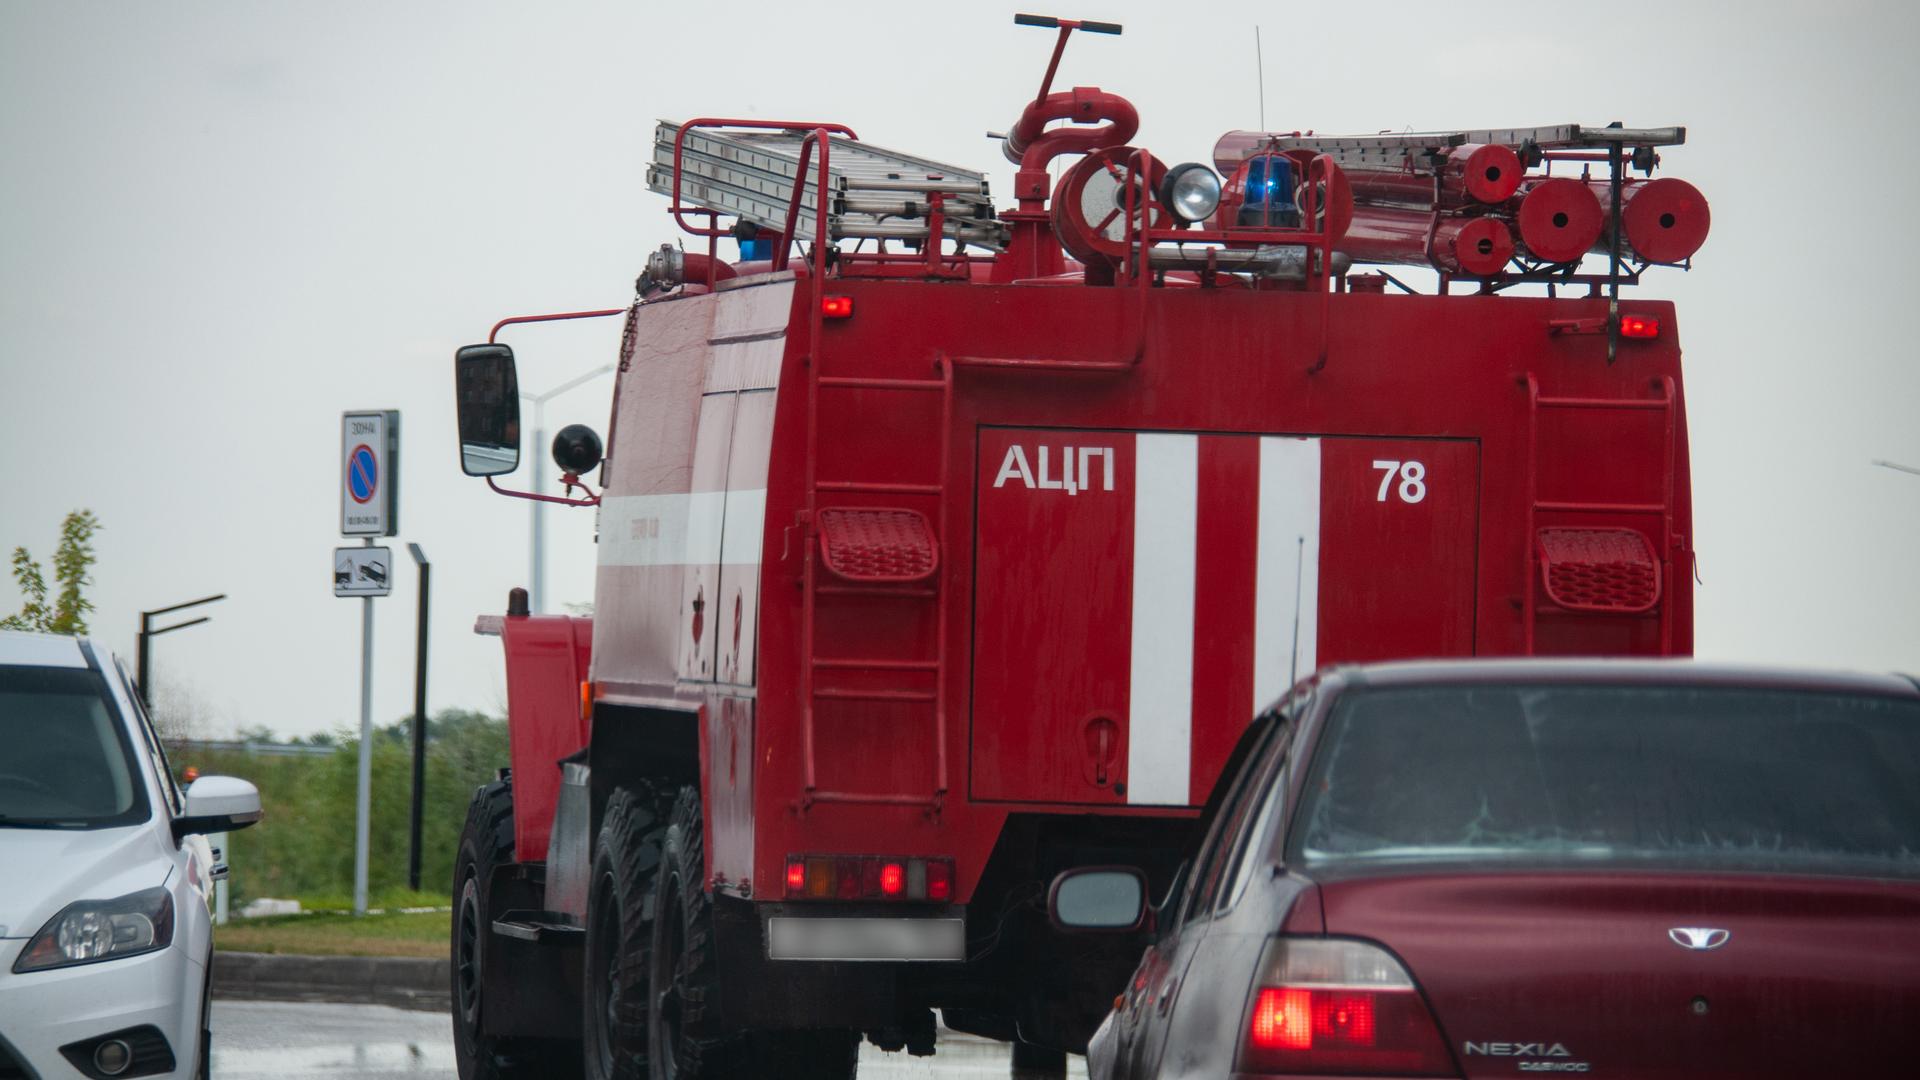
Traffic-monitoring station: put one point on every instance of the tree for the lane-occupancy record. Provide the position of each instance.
(68, 614)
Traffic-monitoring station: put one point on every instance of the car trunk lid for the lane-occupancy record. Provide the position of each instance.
(1651, 974)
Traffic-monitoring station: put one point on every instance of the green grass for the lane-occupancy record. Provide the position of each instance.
(383, 899)
(396, 934)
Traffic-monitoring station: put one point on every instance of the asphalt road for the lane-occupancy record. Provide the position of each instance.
(272, 1040)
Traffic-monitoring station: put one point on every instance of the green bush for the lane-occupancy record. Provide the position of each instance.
(303, 845)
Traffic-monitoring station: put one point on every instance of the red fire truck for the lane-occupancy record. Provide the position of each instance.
(942, 548)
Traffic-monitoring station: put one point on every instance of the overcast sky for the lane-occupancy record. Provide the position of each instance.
(221, 224)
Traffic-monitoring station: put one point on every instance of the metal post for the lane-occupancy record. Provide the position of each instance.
(537, 574)
(363, 803)
(140, 667)
(537, 570)
(219, 843)
(419, 719)
(1617, 164)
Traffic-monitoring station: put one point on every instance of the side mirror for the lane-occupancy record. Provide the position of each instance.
(217, 804)
(487, 394)
(1098, 899)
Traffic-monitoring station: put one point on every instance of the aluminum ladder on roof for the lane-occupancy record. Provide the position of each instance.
(875, 193)
(1390, 149)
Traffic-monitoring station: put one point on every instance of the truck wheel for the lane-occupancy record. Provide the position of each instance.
(485, 842)
(681, 974)
(619, 936)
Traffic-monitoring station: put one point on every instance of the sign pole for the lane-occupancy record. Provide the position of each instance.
(369, 507)
(419, 720)
(363, 802)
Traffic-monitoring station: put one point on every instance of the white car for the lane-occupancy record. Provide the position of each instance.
(105, 934)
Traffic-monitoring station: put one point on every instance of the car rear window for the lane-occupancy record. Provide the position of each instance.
(1668, 776)
(64, 757)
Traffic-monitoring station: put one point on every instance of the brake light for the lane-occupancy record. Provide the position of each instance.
(836, 307)
(1282, 1019)
(1332, 1006)
(869, 877)
(1639, 326)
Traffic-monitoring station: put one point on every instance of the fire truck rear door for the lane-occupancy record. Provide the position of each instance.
(1140, 594)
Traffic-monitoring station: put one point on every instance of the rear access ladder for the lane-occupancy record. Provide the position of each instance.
(887, 553)
(1607, 569)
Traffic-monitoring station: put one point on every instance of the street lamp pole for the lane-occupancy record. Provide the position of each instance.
(144, 651)
(537, 573)
(419, 720)
(1896, 466)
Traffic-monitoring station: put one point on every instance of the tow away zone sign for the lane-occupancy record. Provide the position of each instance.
(362, 571)
(369, 473)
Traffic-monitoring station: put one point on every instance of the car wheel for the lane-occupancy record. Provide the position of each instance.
(485, 843)
(619, 936)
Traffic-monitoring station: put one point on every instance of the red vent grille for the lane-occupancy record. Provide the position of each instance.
(878, 545)
(1600, 570)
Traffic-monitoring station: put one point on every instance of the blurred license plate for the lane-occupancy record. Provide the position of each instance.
(866, 939)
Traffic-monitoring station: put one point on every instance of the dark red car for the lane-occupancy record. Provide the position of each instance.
(1498, 868)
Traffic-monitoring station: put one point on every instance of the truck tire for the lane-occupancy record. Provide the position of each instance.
(620, 936)
(486, 842)
(683, 981)
(681, 973)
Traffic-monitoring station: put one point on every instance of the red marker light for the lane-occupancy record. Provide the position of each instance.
(1639, 326)
(836, 307)
(939, 880)
(796, 876)
(893, 879)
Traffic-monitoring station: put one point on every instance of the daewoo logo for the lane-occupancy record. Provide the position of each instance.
(1071, 480)
(1699, 938)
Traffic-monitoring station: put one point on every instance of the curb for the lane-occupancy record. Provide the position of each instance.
(401, 981)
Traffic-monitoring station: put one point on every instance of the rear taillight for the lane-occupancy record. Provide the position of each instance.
(868, 877)
(1329, 1006)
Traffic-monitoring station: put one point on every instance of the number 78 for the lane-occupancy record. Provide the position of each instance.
(1413, 480)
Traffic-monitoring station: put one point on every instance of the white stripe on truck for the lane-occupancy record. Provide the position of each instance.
(1160, 698)
(1289, 552)
(682, 529)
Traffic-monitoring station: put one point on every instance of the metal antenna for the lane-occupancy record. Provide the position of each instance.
(1299, 563)
(1260, 69)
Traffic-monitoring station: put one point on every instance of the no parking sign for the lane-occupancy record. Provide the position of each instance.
(369, 473)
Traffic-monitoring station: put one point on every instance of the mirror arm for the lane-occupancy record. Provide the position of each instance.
(592, 499)
(515, 320)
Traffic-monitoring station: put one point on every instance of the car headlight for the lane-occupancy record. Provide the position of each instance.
(89, 931)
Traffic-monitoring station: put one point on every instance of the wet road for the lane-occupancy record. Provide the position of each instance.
(272, 1040)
